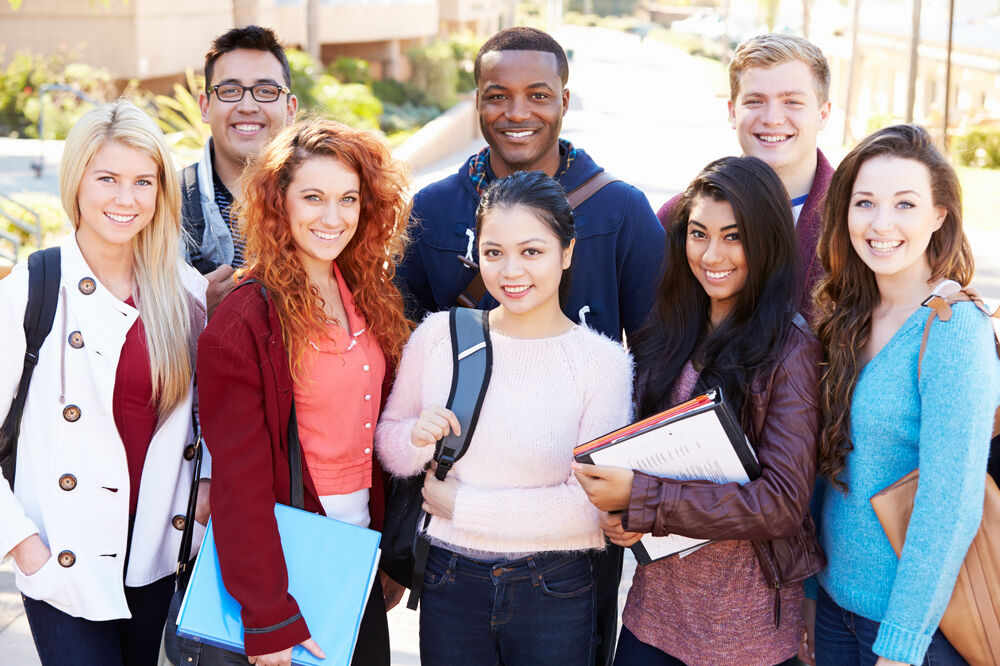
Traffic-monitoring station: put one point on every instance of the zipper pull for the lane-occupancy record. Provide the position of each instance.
(777, 604)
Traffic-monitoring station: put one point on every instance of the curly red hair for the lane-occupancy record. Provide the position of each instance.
(369, 261)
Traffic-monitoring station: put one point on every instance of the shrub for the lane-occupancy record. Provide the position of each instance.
(304, 71)
(26, 73)
(978, 147)
(403, 117)
(605, 7)
(322, 92)
(390, 91)
(180, 118)
(350, 103)
(350, 70)
(435, 75)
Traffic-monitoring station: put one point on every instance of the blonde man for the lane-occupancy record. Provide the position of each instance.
(779, 101)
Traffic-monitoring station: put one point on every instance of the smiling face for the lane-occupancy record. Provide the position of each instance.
(239, 129)
(892, 216)
(777, 115)
(521, 102)
(715, 254)
(522, 261)
(117, 197)
(323, 204)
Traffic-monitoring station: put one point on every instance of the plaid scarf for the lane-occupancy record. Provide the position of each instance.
(480, 177)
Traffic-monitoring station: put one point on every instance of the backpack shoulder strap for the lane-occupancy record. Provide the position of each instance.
(472, 361)
(193, 218)
(476, 289)
(43, 295)
(590, 188)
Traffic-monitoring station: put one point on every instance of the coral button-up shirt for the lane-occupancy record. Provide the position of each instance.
(337, 407)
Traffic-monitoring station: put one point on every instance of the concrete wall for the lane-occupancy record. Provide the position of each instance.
(142, 39)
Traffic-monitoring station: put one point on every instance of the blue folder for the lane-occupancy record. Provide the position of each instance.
(331, 569)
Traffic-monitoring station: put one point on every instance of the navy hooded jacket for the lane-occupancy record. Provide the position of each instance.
(617, 261)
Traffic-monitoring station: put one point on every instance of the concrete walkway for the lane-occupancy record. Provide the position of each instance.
(624, 114)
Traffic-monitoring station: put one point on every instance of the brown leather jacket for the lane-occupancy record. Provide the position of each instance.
(771, 511)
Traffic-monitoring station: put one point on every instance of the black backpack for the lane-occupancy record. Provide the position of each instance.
(404, 541)
(193, 218)
(43, 294)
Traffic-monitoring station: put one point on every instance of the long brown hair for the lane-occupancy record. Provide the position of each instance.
(848, 294)
(369, 261)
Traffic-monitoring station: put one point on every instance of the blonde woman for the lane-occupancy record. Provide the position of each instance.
(94, 521)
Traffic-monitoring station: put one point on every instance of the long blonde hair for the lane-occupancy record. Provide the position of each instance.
(161, 299)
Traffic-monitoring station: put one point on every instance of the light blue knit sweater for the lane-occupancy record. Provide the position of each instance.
(941, 425)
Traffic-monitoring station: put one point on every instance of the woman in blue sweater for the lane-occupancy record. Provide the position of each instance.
(892, 232)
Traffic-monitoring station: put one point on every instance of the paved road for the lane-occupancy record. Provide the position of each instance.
(625, 115)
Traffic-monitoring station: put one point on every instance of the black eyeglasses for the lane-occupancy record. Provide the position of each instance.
(262, 92)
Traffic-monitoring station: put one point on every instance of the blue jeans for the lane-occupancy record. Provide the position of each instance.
(64, 640)
(538, 610)
(846, 639)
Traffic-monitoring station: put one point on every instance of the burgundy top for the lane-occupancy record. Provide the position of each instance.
(134, 411)
(712, 606)
(245, 391)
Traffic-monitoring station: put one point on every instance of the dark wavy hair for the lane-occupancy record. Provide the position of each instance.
(848, 294)
(747, 340)
(545, 198)
(369, 261)
(252, 38)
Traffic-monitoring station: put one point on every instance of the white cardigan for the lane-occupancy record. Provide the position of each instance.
(86, 527)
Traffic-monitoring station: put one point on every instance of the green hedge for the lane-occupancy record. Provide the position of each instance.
(21, 78)
(978, 147)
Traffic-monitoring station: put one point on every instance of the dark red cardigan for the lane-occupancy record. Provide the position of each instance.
(245, 395)
(809, 226)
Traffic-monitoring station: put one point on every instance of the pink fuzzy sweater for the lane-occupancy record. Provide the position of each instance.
(516, 491)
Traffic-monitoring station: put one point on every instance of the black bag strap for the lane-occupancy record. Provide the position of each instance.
(187, 536)
(472, 363)
(193, 218)
(476, 289)
(472, 360)
(296, 483)
(296, 487)
(43, 296)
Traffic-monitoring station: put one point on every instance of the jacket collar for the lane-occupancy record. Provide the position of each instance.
(206, 180)
(76, 270)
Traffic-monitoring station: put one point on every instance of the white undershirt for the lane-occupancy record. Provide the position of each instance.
(350, 508)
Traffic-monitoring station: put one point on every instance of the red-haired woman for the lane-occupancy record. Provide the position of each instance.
(323, 213)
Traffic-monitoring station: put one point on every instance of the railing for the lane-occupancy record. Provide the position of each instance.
(8, 255)
(33, 229)
(44, 89)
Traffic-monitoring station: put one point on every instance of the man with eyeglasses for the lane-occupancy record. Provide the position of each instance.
(246, 101)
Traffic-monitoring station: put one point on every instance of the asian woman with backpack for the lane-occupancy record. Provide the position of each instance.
(508, 579)
(892, 234)
(103, 465)
(724, 317)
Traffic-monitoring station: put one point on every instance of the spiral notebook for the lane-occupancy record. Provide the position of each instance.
(699, 439)
(331, 570)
